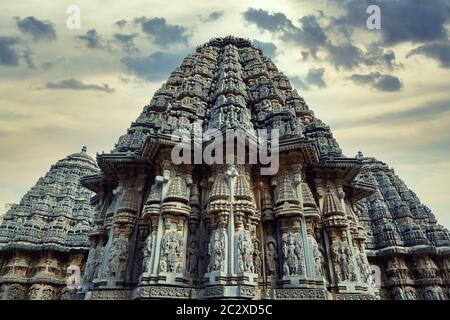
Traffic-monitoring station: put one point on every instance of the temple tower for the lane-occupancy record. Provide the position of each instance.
(405, 244)
(222, 228)
(47, 233)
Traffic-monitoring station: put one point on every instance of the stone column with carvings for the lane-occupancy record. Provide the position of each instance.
(218, 210)
(291, 236)
(121, 218)
(167, 210)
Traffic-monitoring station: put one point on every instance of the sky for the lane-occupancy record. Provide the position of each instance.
(383, 92)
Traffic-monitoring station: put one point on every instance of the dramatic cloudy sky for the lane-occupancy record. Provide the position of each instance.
(384, 92)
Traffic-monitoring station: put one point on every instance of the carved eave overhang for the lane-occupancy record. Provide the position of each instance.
(113, 164)
(94, 182)
(345, 170)
(399, 250)
(154, 142)
(307, 147)
(358, 190)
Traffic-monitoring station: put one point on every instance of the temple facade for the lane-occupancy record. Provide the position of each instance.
(404, 242)
(47, 232)
(321, 226)
(165, 230)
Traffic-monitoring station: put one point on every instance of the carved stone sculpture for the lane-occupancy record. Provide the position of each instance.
(311, 230)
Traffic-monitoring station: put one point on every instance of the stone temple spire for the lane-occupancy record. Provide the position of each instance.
(399, 227)
(313, 229)
(218, 246)
(47, 231)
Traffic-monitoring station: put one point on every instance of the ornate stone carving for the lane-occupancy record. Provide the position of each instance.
(245, 252)
(219, 230)
(216, 250)
(292, 254)
(171, 251)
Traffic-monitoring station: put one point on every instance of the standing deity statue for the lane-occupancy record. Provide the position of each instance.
(271, 257)
(336, 263)
(246, 251)
(192, 260)
(98, 261)
(216, 252)
(351, 267)
(292, 258)
(148, 244)
(116, 262)
(241, 266)
(343, 262)
(92, 264)
(293, 253)
(298, 253)
(257, 261)
(171, 247)
(318, 259)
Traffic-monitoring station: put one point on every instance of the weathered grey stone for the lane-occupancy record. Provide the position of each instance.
(47, 231)
(313, 230)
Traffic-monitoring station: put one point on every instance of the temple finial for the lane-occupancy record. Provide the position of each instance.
(84, 149)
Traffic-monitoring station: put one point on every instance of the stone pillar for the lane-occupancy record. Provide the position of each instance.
(121, 221)
(167, 211)
(231, 269)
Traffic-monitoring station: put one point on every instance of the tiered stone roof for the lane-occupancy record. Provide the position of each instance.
(56, 212)
(393, 215)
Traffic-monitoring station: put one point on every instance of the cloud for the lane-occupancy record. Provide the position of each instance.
(388, 83)
(389, 59)
(162, 32)
(346, 56)
(9, 56)
(12, 116)
(312, 37)
(154, 67)
(28, 57)
(213, 16)
(47, 65)
(417, 114)
(39, 30)
(310, 34)
(298, 83)
(74, 84)
(315, 77)
(401, 21)
(268, 21)
(268, 48)
(378, 81)
(121, 23)
(127, 42)
(92, 39)
(437, 51)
